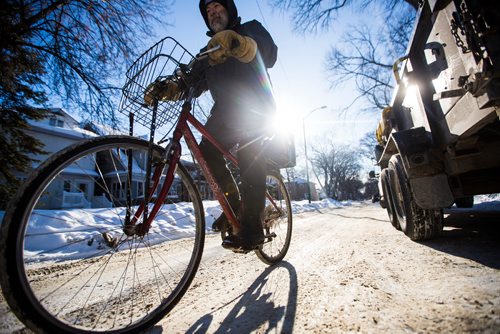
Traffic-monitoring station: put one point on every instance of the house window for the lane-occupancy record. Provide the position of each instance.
(118, 190)
(21, 178)
(140, 189)
(83, 187)
(53, 121)
(115, 188)
(67, 186)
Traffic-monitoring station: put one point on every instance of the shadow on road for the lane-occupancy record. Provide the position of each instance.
(472, 233)
(271, 300)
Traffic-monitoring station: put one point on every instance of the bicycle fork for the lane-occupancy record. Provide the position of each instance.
(132, 227)
(171, 159)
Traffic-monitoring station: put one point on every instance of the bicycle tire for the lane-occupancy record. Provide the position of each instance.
(277, 221)
(61, 274)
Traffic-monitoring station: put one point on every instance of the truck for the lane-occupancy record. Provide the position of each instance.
(438, 142)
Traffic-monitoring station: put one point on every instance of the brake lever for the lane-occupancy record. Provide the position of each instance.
(205, 53)
(201, 56)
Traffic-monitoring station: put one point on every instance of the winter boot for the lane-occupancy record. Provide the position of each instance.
(252, 188)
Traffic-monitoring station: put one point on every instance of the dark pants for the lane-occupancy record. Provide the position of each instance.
(253, 169)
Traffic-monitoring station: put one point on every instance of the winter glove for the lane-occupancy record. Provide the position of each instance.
(232, 44)
(163, 91)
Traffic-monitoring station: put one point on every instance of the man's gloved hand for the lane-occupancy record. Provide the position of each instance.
(232, 44)
(163, 91)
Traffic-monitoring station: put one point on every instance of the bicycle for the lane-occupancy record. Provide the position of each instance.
(121, 264)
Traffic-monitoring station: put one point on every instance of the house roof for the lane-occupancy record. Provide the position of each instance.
(61, 112)
(101, 129)
(74, 132)
(299, 180)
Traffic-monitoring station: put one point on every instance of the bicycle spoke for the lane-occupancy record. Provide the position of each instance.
(278, 221)
(79, 269)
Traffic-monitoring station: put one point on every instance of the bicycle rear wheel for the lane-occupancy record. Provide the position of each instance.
(277, 221)
(67, 265)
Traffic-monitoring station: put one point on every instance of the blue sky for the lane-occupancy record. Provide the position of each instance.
(299, 79)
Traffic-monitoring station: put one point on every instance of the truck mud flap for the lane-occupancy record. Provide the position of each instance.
(432, 192)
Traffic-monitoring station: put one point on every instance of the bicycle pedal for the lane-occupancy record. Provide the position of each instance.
(270, 235)
(241, 251)
(109, 240)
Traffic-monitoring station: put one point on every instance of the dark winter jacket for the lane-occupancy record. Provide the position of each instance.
(241, 92)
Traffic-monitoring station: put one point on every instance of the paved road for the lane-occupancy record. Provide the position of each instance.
(348, 270)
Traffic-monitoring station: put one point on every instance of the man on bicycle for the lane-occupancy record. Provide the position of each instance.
(236, 75)
(238, 81)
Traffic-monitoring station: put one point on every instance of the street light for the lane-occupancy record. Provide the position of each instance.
(305, 148)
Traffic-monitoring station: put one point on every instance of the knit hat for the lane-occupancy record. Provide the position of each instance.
(223, 3)
(231, 10)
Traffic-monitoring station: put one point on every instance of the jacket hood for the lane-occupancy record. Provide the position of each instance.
(232, 11)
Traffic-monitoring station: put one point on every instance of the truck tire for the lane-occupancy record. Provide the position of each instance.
(389, 202)
(465, 202)
(415, 222)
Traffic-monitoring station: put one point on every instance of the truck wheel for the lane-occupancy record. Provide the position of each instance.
(465, 202)
(415, 222)
(389, 202)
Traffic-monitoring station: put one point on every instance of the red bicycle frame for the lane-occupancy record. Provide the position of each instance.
(173, 155)
(182, 129)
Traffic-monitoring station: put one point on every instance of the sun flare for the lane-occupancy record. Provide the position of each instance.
(287, 117)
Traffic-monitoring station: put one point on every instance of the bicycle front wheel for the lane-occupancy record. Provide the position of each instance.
(277, 221)
(67, 265)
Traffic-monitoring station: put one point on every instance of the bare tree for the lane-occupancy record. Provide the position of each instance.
(367, 145)
(309, 15)
(340, 167)
(367, 56)
(71, 49)
(74, 50)
(364, 55)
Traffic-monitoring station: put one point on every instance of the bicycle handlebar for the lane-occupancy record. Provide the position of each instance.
(205, 53)
(182, 70)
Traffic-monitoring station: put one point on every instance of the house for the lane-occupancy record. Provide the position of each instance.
(57, 131)
(299, 190)
(75, 189)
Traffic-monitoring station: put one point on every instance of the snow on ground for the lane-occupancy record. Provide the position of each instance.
(78, 232)
(88, 225)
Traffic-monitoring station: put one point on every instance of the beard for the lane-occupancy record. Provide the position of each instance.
(219, 23)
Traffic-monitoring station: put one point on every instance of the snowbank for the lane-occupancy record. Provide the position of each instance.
(79, 231)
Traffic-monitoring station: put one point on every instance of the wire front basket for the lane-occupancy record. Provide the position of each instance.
(160, 61)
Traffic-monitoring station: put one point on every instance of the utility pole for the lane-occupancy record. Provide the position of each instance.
(305, 149)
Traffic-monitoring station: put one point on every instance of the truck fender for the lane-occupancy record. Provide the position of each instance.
(429, 186)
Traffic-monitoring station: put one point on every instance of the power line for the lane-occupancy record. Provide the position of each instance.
(261, 13)
(282, 66)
